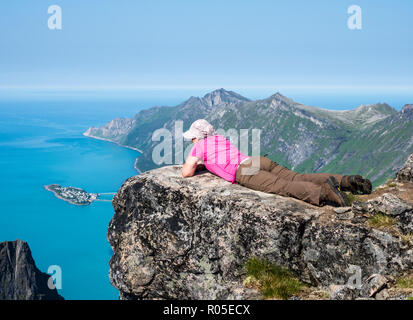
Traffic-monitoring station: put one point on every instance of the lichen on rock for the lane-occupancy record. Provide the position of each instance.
(176, 238)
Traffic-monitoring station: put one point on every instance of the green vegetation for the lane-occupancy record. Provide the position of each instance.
(353, 198)
(405, 282)
(381, 221)
(272, 281)
(390, 183)
(371, 148)
(407, 239)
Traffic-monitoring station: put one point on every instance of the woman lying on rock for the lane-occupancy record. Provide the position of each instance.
(260, 173)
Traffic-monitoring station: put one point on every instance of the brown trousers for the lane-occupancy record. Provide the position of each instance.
(271, 177)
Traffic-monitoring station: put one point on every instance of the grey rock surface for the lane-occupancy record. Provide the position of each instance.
(19, 277)
(341, 210)
(176, 238)
(406, 172)
(382, 295)
(388, 204)
(341, 292)
(344, 213)
(374, 284)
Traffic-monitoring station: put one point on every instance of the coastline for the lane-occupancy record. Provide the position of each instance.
(94, 196)
(108, 140)
(120, 145)
(135, 166)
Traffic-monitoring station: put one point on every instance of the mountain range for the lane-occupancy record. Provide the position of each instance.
(371, 140)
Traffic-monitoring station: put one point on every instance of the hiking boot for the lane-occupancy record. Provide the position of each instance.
(331, 195)
(356, 184)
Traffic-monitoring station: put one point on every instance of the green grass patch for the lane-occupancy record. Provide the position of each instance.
(405, 282)
(381, 221)
(390, 183)
(353, 198)
(271, 280)
(407, 239)
(325, 295)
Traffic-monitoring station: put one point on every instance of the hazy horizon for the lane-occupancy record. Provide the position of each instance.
(333, 99)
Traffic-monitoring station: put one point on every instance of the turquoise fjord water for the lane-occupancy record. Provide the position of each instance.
(41, 143)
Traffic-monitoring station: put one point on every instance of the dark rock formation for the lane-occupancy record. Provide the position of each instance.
(406, 172)
(19, 277)
(189, 239)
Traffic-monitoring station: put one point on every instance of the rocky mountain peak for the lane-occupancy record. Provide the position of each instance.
(382, 108)
(367, 114)
(278, 99)
(221, 96)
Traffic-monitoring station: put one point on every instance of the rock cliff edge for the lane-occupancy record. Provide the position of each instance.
(176, 238)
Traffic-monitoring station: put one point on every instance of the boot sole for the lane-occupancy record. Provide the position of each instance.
(345, 202)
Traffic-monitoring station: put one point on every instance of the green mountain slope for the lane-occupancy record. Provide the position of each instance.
(372, 140)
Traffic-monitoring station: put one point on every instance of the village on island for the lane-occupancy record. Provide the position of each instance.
(76, 196)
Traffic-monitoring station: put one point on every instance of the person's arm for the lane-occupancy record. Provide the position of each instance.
(189, 167)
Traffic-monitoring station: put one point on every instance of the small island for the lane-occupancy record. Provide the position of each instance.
(72, 195)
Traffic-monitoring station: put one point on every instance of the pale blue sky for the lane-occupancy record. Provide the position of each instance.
(199, 44)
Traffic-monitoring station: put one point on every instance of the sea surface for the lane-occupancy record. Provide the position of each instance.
(41, 143)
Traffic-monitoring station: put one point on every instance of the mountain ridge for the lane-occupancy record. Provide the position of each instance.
(303, 138)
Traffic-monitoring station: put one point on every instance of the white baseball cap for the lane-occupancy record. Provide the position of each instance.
(199, 129)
